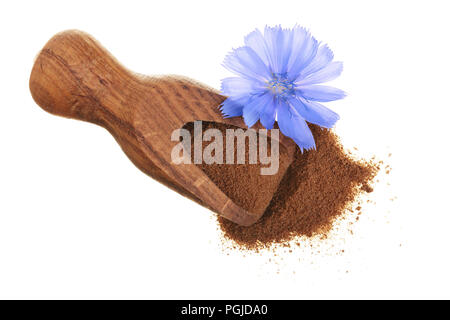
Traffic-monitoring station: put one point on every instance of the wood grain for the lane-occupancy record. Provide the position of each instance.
(75, 77)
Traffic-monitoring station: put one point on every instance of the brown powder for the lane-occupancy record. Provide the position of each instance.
(243, 183)
(317, 188)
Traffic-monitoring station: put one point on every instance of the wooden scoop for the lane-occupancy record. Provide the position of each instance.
(74, 76)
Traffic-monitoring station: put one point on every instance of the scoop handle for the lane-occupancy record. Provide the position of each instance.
(72, 73)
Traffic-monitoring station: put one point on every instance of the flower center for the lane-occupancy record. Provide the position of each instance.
(280, 86)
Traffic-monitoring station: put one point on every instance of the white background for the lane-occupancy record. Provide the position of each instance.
(78, 220)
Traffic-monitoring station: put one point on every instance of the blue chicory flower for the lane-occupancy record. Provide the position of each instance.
(279, 72)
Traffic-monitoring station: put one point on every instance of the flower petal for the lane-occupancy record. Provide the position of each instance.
(323, 57)
(285, 50)
(237, 87)
(294, 126)
(304, 49)
(246, 63)
(330, 72)
(320, 93)
(315, 112)
(252, 110)
(256, 41)
(279, 44)
(270, 36)
(267, 116)
(231, 108)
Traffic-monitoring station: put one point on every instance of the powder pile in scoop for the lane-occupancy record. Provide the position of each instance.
(243, 183)
(317, 188)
